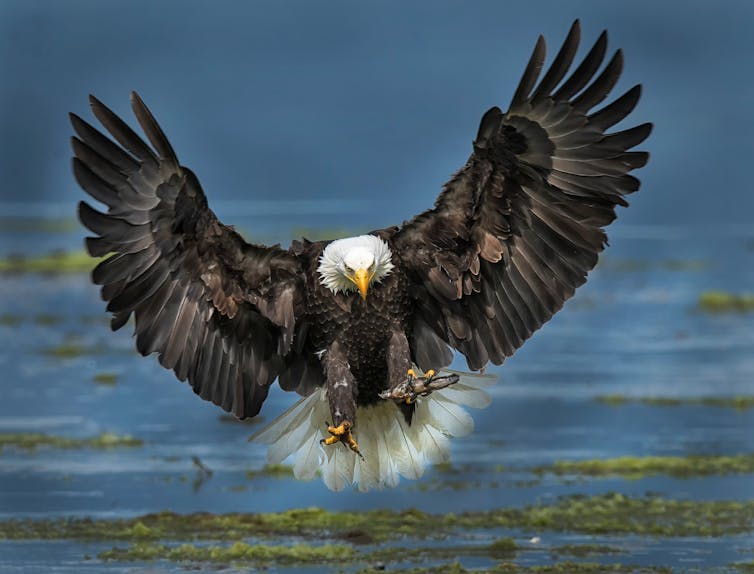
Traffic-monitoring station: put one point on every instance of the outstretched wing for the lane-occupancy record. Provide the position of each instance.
(219, 311)
(516, 230)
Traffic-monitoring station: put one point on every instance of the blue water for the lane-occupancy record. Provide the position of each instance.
(634, 329)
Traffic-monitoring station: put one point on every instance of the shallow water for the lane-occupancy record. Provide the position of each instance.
(633, 330)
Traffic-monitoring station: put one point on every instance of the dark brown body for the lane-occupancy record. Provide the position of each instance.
(362, 344)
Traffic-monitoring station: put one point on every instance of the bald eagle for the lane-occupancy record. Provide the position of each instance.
(362, 326)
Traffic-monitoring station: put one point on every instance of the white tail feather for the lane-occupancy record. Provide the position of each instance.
(391, 447)
(467, 396)
(449, 417)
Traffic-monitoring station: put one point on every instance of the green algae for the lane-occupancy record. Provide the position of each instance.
(48, 319)
(723, 302)
(10, 320)
(503, 547)
(107, 379)
(239, 552)
(57, 262)
(581, 550)
(747, 567)
(738, 402)
(605, 514)
(570, 567)
(634, 467)
(38, 224)
(461, 484)
(271, 471)
(298, 554)
(446, 467)
(448, 568)
(615, 513)
(628, 265)
(567, 567)
(238, 488)
(32, 441)
(72, 350)
(448, 476)
(457, 478)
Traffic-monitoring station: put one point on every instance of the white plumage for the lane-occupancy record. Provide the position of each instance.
(344, 256)
(391, 447)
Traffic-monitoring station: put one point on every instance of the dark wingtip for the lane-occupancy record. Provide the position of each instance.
(531, 73)
(138, 106)
(76, 121)
(80, 126)
(153, 130)
(97, 106)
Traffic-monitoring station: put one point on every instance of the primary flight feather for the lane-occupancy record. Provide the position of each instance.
(351, 324)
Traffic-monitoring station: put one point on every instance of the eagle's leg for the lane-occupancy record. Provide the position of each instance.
(341, 395)
(405, 385)
(399, 367)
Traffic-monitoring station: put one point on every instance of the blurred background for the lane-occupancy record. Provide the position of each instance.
(329, 118)
(364, 106)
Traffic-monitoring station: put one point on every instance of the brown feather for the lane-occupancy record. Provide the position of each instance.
(531, 203)
(189, 279)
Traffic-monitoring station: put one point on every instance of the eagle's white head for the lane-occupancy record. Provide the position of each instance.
(354, 263)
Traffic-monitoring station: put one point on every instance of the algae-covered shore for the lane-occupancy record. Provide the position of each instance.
(611, 513)
(263, 556)
(33, 441)
(448, 476)
(724, 302)
(634, 467)
(317, 536)
(737, 402)
(56, 262)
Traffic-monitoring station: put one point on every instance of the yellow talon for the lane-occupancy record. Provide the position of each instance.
(339, 431)
(429, 374)
(342, 433)
(411, 373)
(353, 445)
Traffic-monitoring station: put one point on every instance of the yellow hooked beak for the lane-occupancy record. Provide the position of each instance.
(361, 278)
